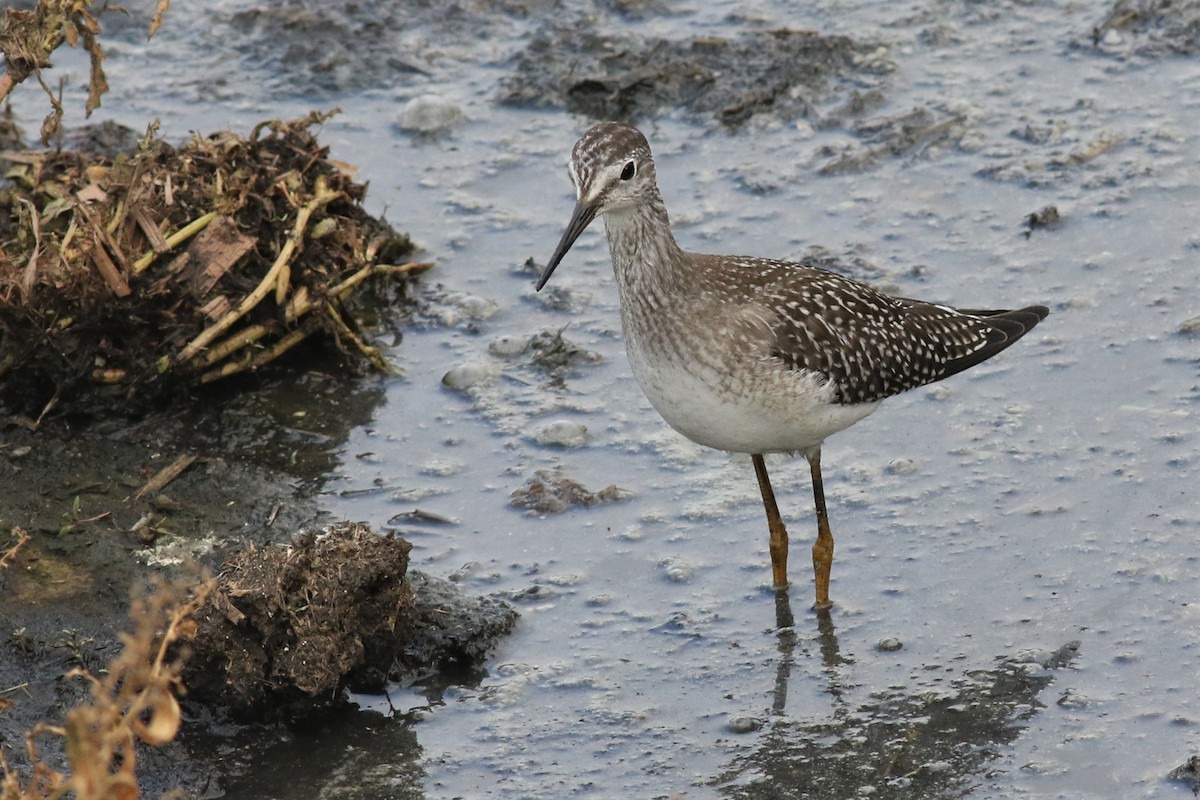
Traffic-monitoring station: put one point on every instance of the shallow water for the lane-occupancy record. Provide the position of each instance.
(1046, 497)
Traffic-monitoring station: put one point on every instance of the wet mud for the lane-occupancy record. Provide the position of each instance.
(290, 626)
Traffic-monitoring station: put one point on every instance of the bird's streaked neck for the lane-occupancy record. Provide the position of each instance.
(641, 244)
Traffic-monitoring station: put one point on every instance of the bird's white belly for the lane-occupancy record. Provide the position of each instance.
(754, 407)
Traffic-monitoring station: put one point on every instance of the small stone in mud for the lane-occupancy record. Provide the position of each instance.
(939, 393)
(1072, 699)
(414, 494)
(466, 376)
(476, 307)
(744, 724)
(549, 493)
(441, 468)
(554, 353)
(677, 570)
(1147, 28)
(166, 503)
(557, 297)
(939, 36)
(562, 433)
(510, 345)
(144, 529)
(420, 516)
(537, 593)
(1190, 326)
(888, 644)
(430, 113)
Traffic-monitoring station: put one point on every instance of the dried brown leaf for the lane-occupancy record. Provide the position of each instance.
(156, 22)
(85, 18)
(97, 83)
(164, 721)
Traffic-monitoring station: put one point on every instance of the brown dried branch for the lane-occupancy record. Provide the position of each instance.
(133, 700)
(22, 537)
(156, 22)
(28, 37)
(166, 475)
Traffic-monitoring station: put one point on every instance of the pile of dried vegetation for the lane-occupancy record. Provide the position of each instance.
(170, 267)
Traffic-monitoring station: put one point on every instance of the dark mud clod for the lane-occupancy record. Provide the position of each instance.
(1149, 27)
(1045, 218)
(1188, 774)
(783, 71)
(548, 492)
(287, 627)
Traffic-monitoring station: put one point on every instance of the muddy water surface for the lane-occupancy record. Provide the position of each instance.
(1016, 584)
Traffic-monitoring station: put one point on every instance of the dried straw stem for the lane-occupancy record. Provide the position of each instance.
(279, 269)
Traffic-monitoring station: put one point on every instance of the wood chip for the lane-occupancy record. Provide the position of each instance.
(231, 612)
(165, 476)
(214, 251)
(149, 227)
(91, 193)
(217, 307)
(112, 276)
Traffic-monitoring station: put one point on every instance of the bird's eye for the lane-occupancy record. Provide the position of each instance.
(629, 171)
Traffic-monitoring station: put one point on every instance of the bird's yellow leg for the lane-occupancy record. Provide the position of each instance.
(779, 537)
(822, 551)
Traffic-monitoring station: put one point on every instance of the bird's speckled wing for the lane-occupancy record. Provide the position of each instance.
(874, 346)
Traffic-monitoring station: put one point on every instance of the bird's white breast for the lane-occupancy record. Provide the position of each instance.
(730, 399)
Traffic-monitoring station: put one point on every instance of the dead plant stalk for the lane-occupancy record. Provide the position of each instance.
(301, 304)
(276, 277)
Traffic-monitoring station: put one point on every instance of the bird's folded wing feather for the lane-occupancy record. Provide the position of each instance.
(873, 346)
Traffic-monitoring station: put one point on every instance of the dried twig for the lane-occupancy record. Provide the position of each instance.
(174, 240)
(166, 475)
(263, 357)
(411, 268)
(323, 196)
(133, 699)
(301, 304)
(372, 354)
(22, 537)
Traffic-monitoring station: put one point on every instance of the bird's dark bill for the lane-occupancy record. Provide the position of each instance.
(580, 219)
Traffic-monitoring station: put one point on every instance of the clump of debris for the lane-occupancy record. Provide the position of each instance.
(287, 627)
(170, 267)
(548, 492)
(1149, 28)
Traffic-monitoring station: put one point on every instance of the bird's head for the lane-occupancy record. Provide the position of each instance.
(613, 173)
